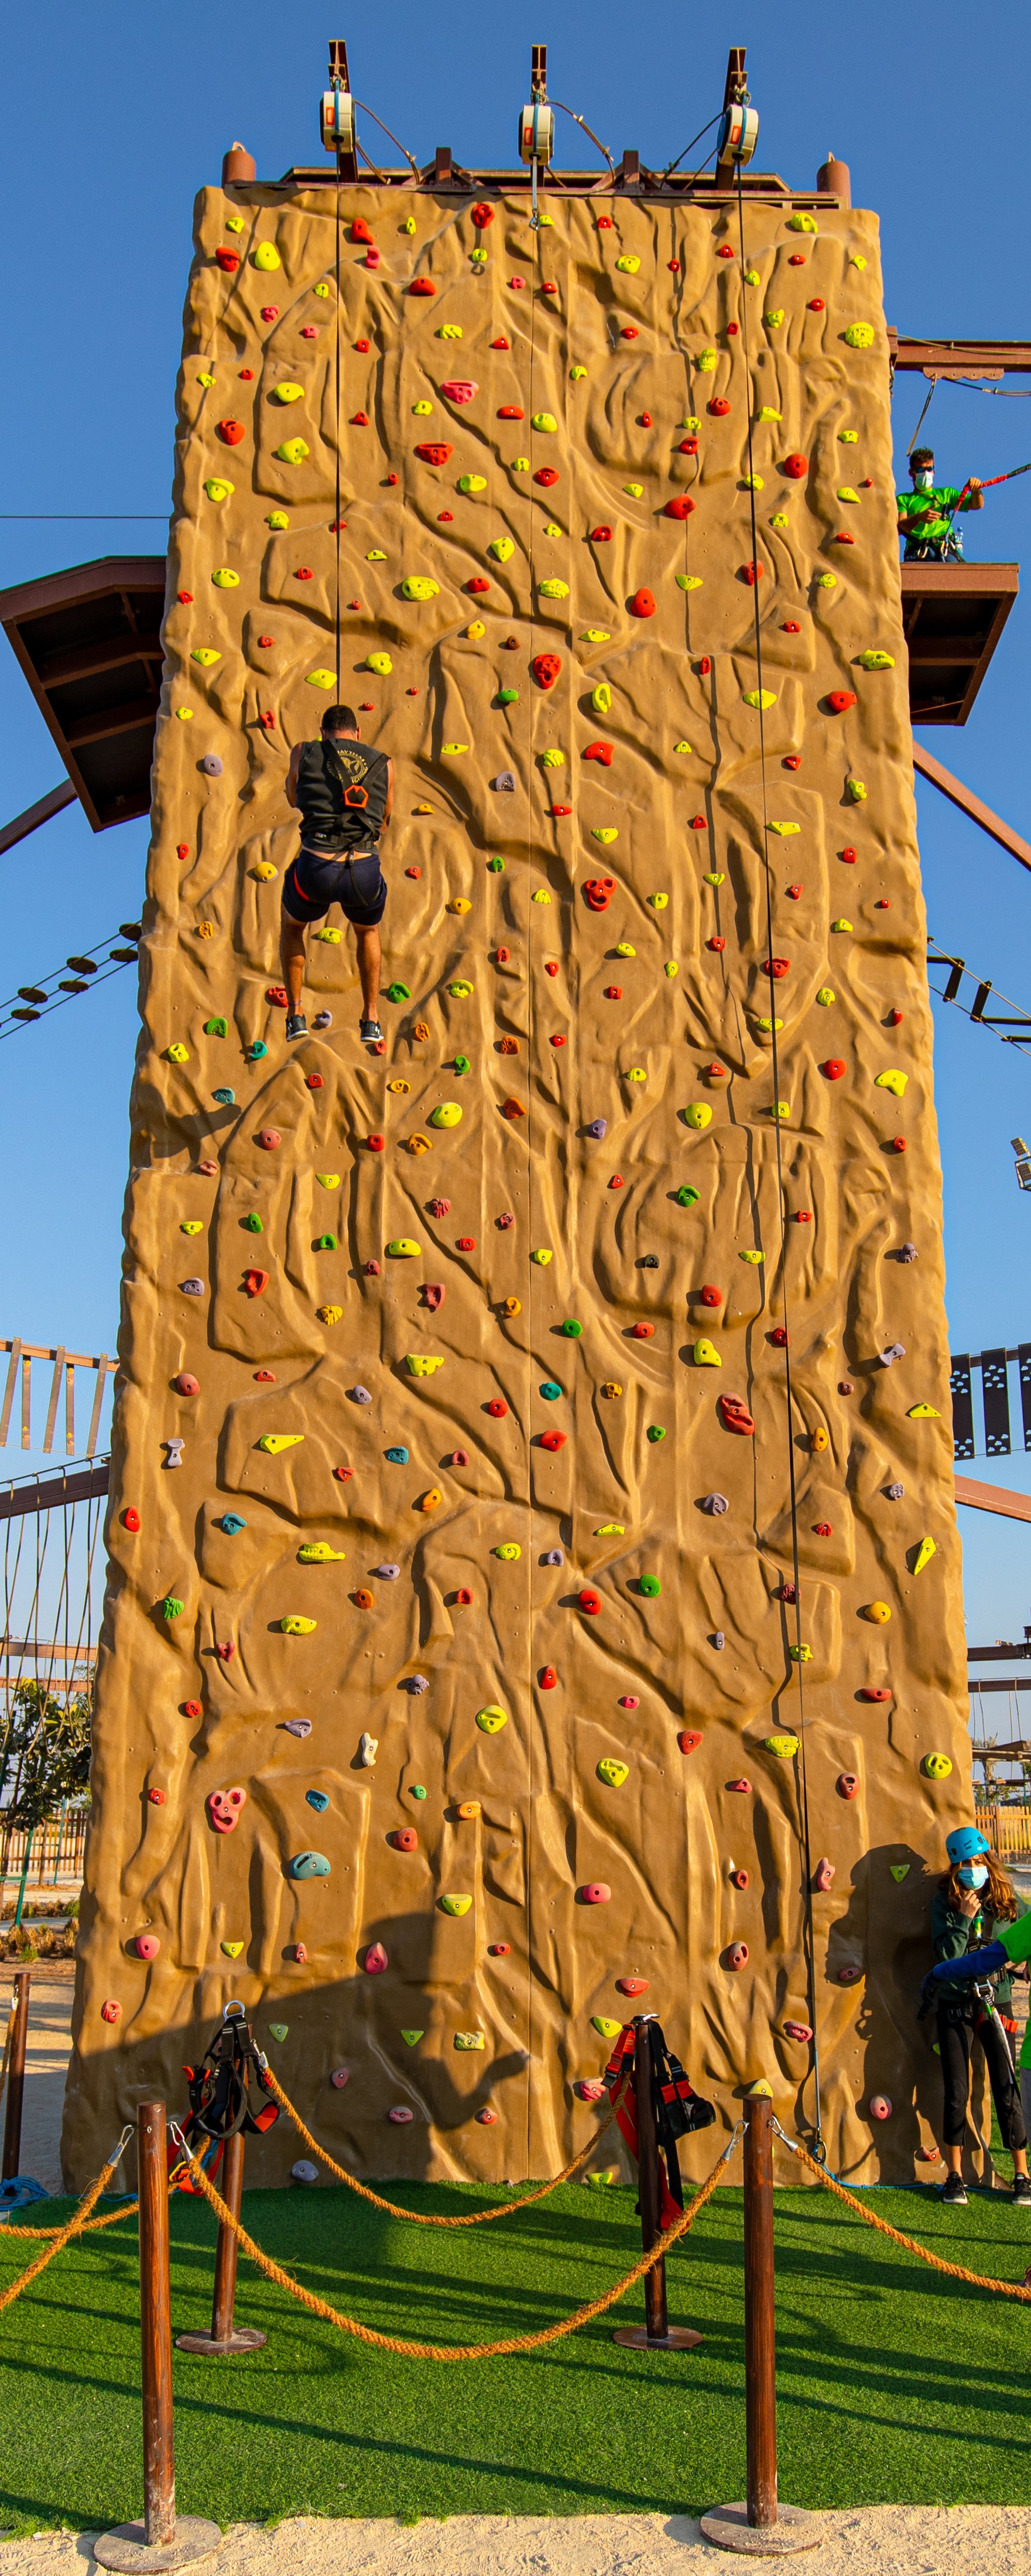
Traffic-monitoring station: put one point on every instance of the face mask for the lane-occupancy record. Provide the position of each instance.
(973, 1874)
(924, 479)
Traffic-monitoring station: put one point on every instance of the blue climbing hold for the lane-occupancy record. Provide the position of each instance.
(397, 1457)
(550, 1390)
(317, 1798)
(231, 1523)
(226, 1097)
(309, 1864)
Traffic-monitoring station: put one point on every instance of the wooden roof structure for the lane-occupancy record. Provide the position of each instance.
(89, 643)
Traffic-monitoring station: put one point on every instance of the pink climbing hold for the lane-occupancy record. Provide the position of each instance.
(596, 1893)
(341, 2075)
(798, 2030)
(375, 1960)
(629, 1700)
(268, 1139)
(110, 2012)
(744, 1786)
(187, 1385)
(737, 1955)
(823, 1876)
(591, 2089)
(880, 2107)
(225, 1807)
(400, 2115)
(146, 1945)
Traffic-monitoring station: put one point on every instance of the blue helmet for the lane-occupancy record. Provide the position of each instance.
(967, 1843)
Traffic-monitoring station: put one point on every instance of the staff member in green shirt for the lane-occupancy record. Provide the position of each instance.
(927, 514)
(970, 1987)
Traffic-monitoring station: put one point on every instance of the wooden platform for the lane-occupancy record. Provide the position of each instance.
(953, 615)
(89, 643)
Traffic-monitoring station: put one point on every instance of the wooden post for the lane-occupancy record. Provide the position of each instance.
(159, 2542)
(657, 2334)
(16, 2076)
(760, 2527)
(225, 2336)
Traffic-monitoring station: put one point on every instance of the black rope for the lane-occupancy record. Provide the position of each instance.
(338, 389)
(820, 2149)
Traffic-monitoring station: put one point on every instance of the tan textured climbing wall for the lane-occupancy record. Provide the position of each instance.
(628, 380)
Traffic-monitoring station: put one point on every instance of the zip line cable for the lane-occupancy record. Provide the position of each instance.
(821, 2151)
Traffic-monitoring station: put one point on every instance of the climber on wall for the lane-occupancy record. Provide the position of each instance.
(344, 796)
(970, 1986)
(927, 514)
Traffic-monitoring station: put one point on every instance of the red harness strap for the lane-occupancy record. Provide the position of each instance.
(616, 2073)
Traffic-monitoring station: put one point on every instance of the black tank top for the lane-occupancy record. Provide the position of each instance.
(342, 794)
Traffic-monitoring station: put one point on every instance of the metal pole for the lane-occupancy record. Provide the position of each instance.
(16, 2076)
(657, 2334)
(759, 2527)
(226, 2336)
(760, 2316)
(156, 2329)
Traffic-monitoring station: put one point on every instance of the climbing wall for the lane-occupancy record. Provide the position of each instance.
(453, 1681)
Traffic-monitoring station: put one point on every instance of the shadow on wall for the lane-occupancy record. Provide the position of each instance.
(397, 2072)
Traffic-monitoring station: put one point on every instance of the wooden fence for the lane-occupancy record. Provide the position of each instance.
(1008, 1828)
(56, 1850)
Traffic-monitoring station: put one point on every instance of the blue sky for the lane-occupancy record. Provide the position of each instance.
(113, 119)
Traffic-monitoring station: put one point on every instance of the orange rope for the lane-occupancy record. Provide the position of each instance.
(110, 2219)
(956, 2271)
(468, 2351)
(63, 2237)
(421, 2217)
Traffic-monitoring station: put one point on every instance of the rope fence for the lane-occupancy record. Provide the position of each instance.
(63, 2235)
(426, 2218)
(955, 2271)
(457, 2352)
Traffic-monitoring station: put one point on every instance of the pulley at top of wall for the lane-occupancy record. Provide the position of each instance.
(537, 122)
(739, 132)
(337, 115)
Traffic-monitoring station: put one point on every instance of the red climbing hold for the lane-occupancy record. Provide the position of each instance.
(360, 230)
(547, 1678)
(499, 1949)
(846, 1784)
(590, 1604)
(840, 700)
(817, 305)
(629, 1702)
(894, 1019)
(598, 893)
(792, 760)
(375, 1960)
(375, 1144)
(642, 1332)
(674, 267)
(737, 1955)
(482, 215)
(600, 751)
(689, 1739)
(719, 407)
(546, 474)
(616, 1183)
(822, 1529)
(500, 344)
(596, 1893)
(182, 850)
(613, 992)
(898, 1144)
(434, 452)
(779, 1337)
(130, 1518)
(711, 1296)
(743, 1787)
(511, 411)
(557, 1041)
(512, 1109)
(724, 251)
(255, 1282)
(228, 259)
(688, 447)
(795, 892)
(558, 812)
(276, 993)
(422, 286)
(478, 584)
(465, 1243)
(269, 1138)
(777, 967)
(464, 1597)
(405, 1838)
(878, 1695)
(717, 944)
(601, 536)
(834, 1068)
(186, 1383)
(844, 538)
(497, 1408)
(796, 259)
(736, 1416)
(796, 466)
(642, 604)
(629, 332)
(632, 1985)
(646, 420)
(359, 420)
(545, 668)
(732, 330)
(751, 573)
(230, 432)
(680, 508)
(553, 1440)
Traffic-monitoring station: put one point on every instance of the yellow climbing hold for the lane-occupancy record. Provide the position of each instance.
(924, 1554)
(491, 1719)
(613, 1773)
(707, 361)
(292, 451)
(501, 548)
(191, 1225)
(841, 924)
(274, 1441)
(628, 262)
(671, 967)
(417, 585)
(329, 1314)
(508, 1551)
(601, 698)
(232, 1949)
(785, 830)
(446, 1114)
(759, 698)
(553, 759)
(874, 661)
(576, 375)
(801, 1654)
(541, 895)
(219, 488)
(774, 318)
(453, 750)
(754, 1257)
(605, 2028)
(205, 655)
(923, 1413)
(845, 493)
(683, 747)
(826, 581)
(658, 902)
(635, 490)
(380, 663)
(317, 1551)
(605, 832)
(626, 949)
(595, 635)
(321, 679)
(287, 393)
(294, 1627)
(266, 256)
(277, 519)
(456, 1904)
(891, 1081)
(264, 871)
(714, 876)
(936, 1766)
(421, 1364)
(878, 1611)
(328, 1180)
(459, 903)
(553, 589)
(331, 937)
(465, 2038)
(706, 1354)
(801, 223)
(859, 335)
(185, 715)
(544, 420)
(542, 1257)
(826, 996)
(855, 790)
(697, 1114)
(752, 483)
(689, 581)
(177, 1053)
(422, 410)
(767, 413)
(225, 579)
(402, 1248)
(637, 1073)
(472, 483)
(784, 1746)
(849, 437)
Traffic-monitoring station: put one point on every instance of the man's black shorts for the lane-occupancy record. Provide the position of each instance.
(313, 882)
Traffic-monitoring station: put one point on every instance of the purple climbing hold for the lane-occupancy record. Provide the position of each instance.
(192, 1287)
(323, 1020)
(719, 1640)
(598, 1128)
(553, 1556)
(894, 1493)
(211, 765)
(386, 1573)
(297, 1725)
(908, 1252)
(894, 1351)
(359, 1395)
(715, 1503)
(504, 783)
(416, 1684)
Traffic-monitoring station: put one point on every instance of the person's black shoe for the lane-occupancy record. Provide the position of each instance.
(296, 1026)
(369, 1032)
(1022, 2190)
(954, 2191)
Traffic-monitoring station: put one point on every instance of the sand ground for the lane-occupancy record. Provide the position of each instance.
(880, 2540)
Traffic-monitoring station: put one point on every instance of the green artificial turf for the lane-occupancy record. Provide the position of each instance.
(894, 2383)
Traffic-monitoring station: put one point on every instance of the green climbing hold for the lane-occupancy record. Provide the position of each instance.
(278, 2029)
(686, 1196)
(411, 2037)
(171, 1608)
(216, 1028)
(900, 1869)
(496, 866)
(649, 1584)
(253, 1222)
(571, 1330)
(399, 992)
(655, 1431)
(505, 698)
(326, 1243)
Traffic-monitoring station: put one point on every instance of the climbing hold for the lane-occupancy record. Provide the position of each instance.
(737, 1955)
(294, 1626)
(922, 1412)
(698, 1114)
(797, 2030)
(936, 1766)
(761, 698)
(642, 604)
(706, 1355)
(595, 1893)
(892, 1080)
(508, 1551)
(113, 2012)
(171, 1607)
(784, 1746)
(859, 335)
(455, 1904)
(846, 1784)
(491, 1719)
(224, 1808)
(717, 1504)
(736, 1416)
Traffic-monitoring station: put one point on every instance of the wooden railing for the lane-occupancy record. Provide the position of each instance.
(1008, 1828)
